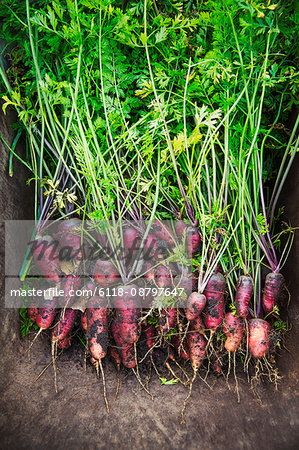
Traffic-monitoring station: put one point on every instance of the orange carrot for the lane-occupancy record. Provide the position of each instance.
(234, 329)
(258, 341)
(197, 349)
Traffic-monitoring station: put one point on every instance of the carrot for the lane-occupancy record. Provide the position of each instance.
(150, 333)
(234, 329)
(183, 282)
(192, 236)
(167, 320)
(46, 316)
(126, 350)
(94, 362)
(128, 314)
(105, 273)
(244, 293)
(66, 226)
(115, 355)
(65, 342)
(192, 241)
(128, 355)
(65, 324)
(97, 327)
(214, 293)
(163, 276)
(217, 364)
(131, 239)
(69, 236)
(273, 287)
(258, 341)
(163, 232)
(33, 313)
(84, 320)
(197, 352)
(180, 228)
(197, 349)
(101, 238)
(149, 272)
(149, 247)
(46, 258)
(117, 336)
(70, 283)
(195, 304)
(197, 324)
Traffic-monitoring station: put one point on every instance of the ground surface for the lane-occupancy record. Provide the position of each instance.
(34, 416)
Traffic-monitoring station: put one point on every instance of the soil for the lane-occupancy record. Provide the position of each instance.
(34, 416)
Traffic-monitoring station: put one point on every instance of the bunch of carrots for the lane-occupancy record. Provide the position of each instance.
(188, 176)
(133, 329)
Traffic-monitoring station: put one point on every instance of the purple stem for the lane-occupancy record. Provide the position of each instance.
(265, 246)
(137, 215)
(174, 208)
(61, 168)
(48, 144)
(50, 214)
(47, 206)
(189, 207)
(251, 311)
(259, 304)
(190, 212)
(209, 188)
(264, 209)
(44, 216)
(65, 182)
(41, 202)
(134, 218)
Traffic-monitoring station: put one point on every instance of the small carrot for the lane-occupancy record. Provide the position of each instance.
(214, 293)
(244, 293)
(65, 342)
(97, 331)
(65, 324)
(33, 313)
(197, 349)
(167, 320)
(127, 313)
(258, 341)
(126, 350)
(273, 287)
(195, 304)
(46, 316)
(233, 328)
(197, 324)
(192, 241)
(105, 273)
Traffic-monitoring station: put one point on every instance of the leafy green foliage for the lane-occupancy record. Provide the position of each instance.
(280, 325)
(164, 381)
(26, 326)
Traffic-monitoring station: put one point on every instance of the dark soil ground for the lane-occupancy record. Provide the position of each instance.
(33, 416)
